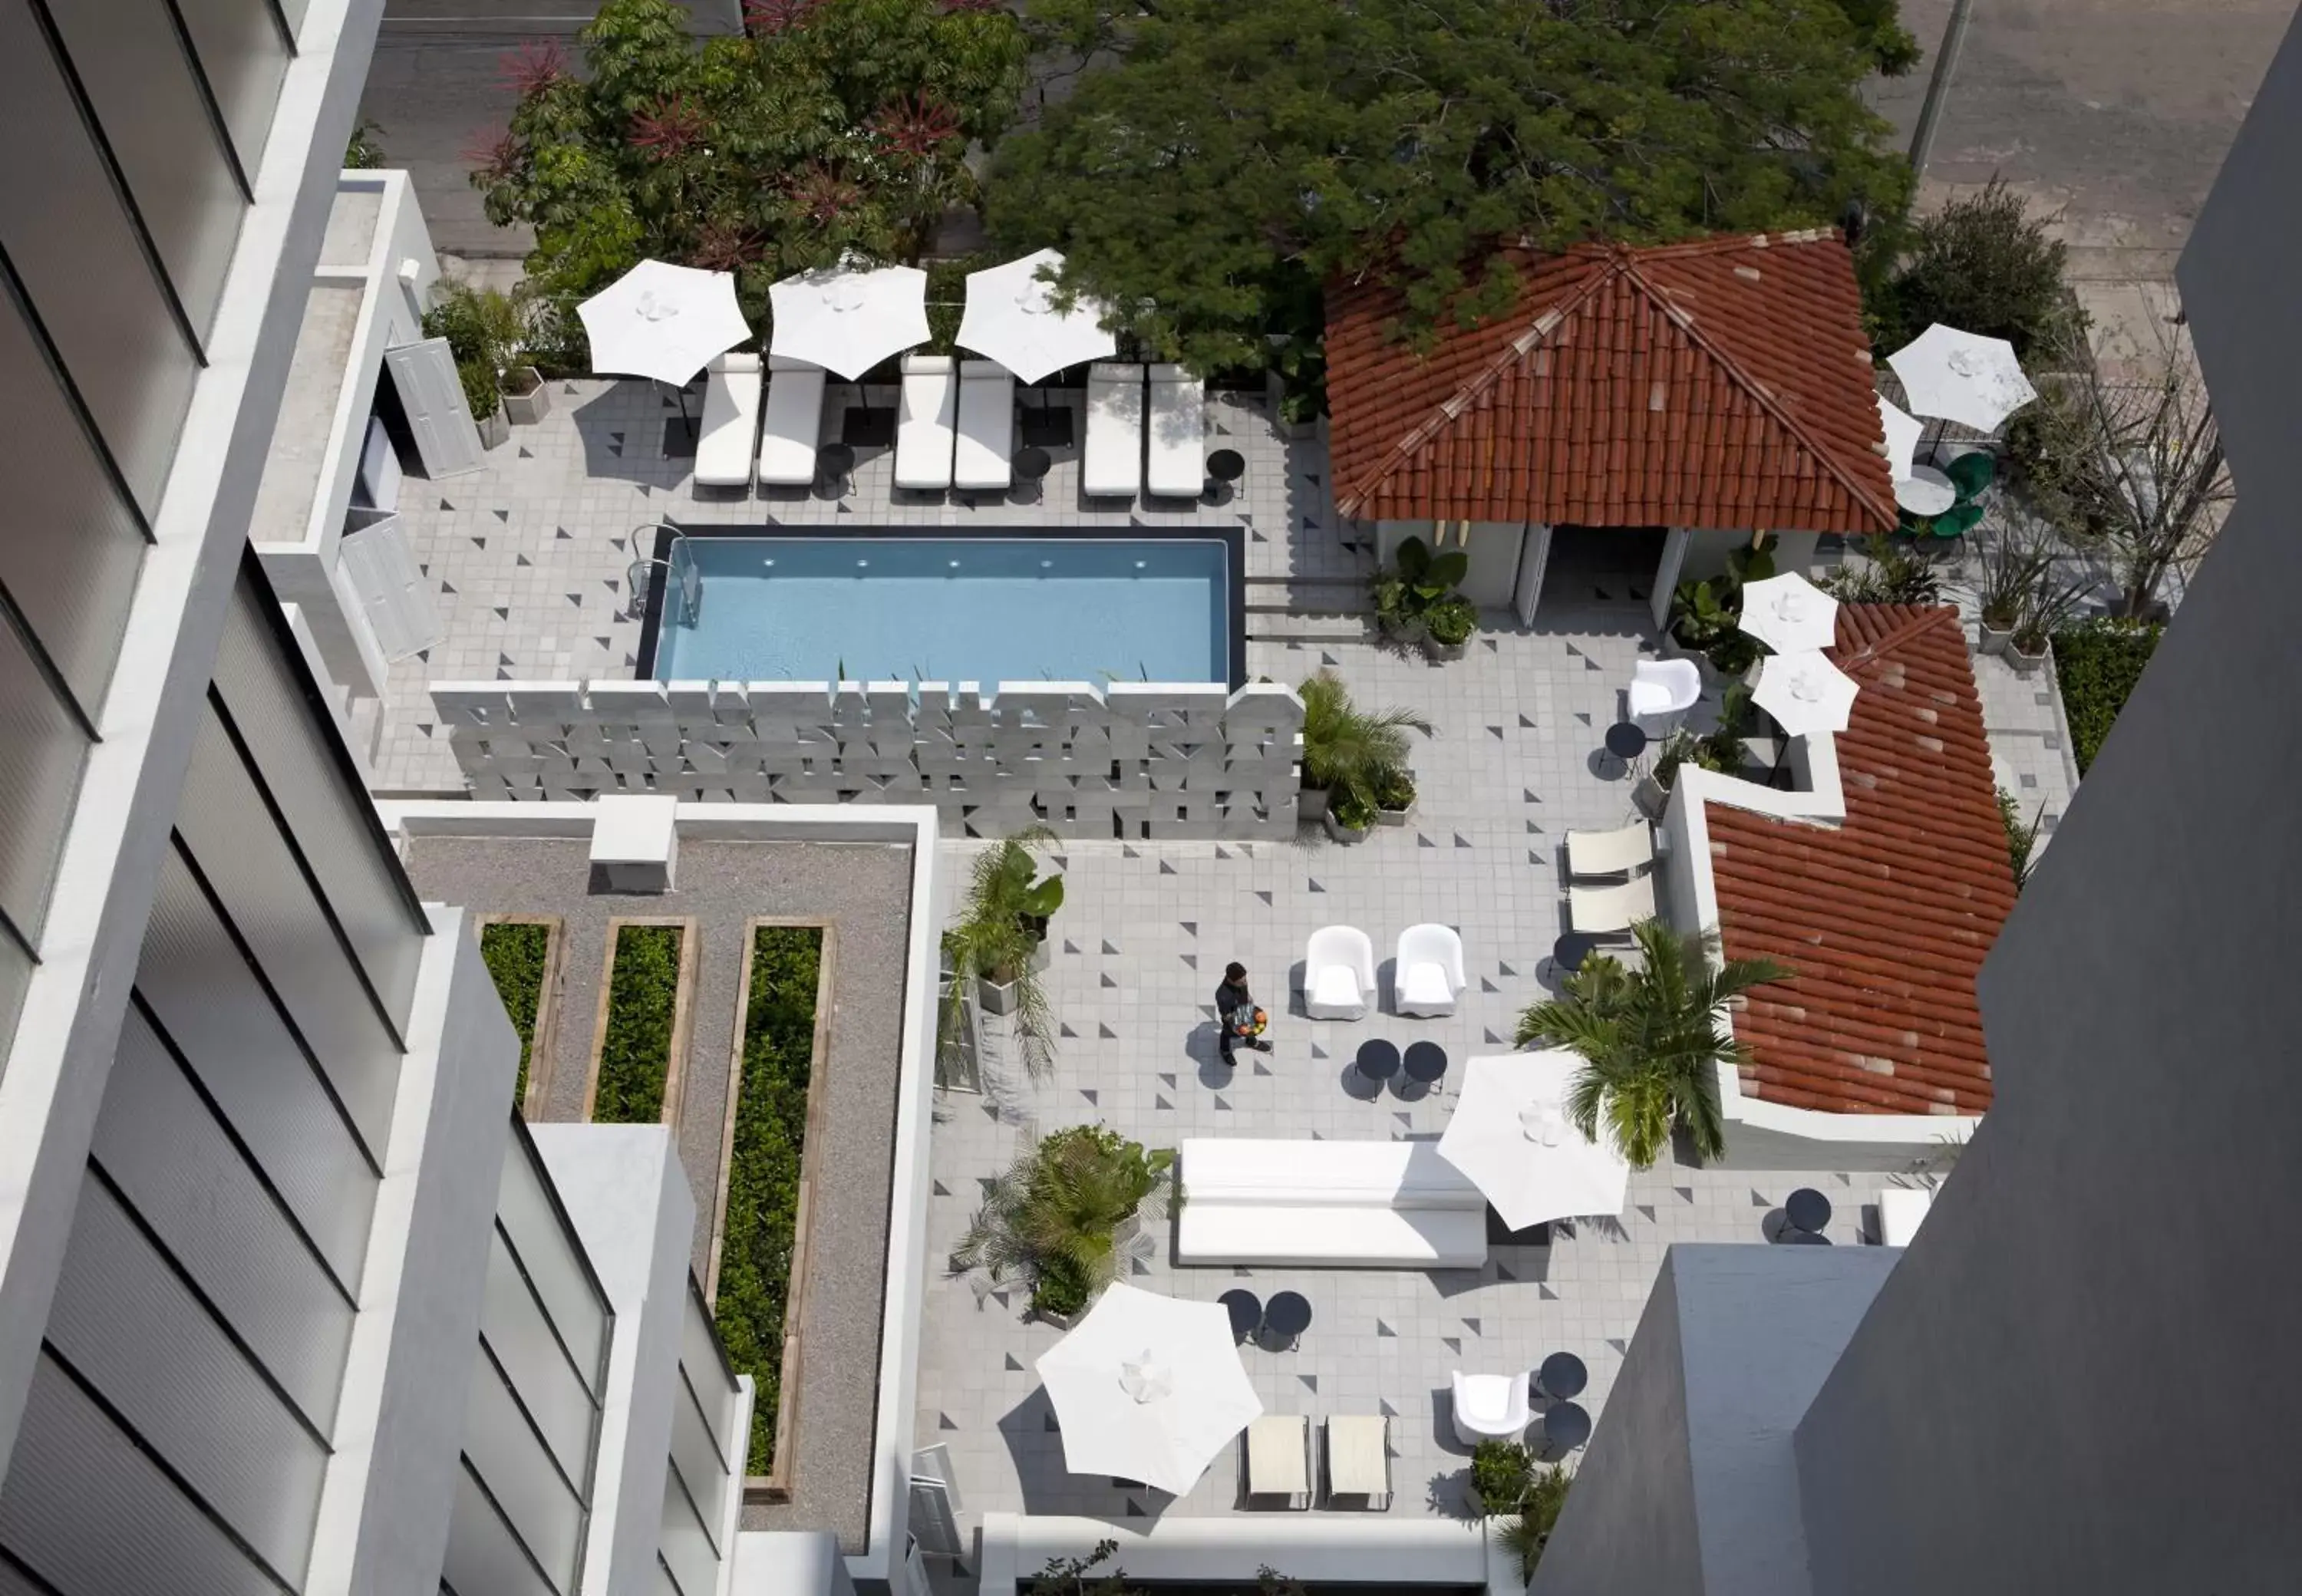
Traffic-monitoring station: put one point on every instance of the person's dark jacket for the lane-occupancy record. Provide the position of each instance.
(1230, 998)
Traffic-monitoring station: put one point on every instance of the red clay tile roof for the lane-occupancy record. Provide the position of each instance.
(1886, 916)
(1722, 383)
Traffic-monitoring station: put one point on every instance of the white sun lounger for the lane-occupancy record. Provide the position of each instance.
(1609, 852)
(1114, 466)
(925, 435)
(1279, 1465)
(1359, 1460)
(985, 458)
(731, 420)
(794, 424)
(1599, 909)
(1179, 433)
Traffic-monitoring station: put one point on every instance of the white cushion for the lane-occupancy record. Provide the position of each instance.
(1315, 1237)
(731, 415)
(1277, 1456)
(987, 426)
(1335, 987)
(1425, 987)
(1357, 1462)
(1372, 1174)
(1113, 467)
(1178, 444)
(794, 424)
(924, 432)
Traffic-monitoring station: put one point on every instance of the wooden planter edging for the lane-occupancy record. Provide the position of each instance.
(543, 1046)
(775, 1484)
(675, 1074)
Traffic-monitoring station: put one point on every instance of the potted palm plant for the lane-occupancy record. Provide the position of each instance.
(1347, 751)
(1651, 1041)
(1061, 1215)
(996, 946)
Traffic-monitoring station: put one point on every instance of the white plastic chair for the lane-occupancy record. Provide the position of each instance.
(1662, 691)
(1113, 466)
(1597, 911)
(1429, 972)
(1491, 1407)
(924, 434)
(985, 458)
(1338, 973)
(1609, 852)
(1179, 434)
(731, 419)
(793, 423)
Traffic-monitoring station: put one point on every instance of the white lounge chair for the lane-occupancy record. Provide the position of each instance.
(1609, 852)
(1338, 973)
(987, 426)
(1279, 1464)
(1491, 1407)
(731, 420)
(1113, 467)
(1179, 434)
(1902, 1209)
(1662, 691)
(1597, 911)
(1359, 1460)
(1429, 972)
(793, 423)
(924, 431)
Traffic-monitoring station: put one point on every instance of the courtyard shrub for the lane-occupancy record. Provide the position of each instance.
(516, 957)
(643, 1000)
(1501, 1473)
(1055, 1216)
(763, 1167)
(1983, 263)
(1527, 1531)
(2096, 664)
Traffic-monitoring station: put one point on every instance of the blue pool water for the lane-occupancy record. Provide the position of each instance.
(956, 610)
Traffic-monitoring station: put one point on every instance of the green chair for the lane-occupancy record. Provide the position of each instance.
(1971, 473)
(1937, 535)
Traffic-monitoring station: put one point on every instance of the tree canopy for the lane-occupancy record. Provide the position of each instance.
(1216, 162)
(829, 127)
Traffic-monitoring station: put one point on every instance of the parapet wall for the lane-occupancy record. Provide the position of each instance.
(1132, 759)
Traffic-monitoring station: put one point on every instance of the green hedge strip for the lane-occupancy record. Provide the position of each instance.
(515, 956)
(2096, 666)
(636, 1059)
(755, 1255)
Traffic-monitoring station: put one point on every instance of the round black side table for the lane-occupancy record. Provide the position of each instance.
(1562, 1376)
(1569, 951)
(1566, 1427)
(834, 463)
(1245, 1309)
(1808, 1211)
(1031, 465)
(1377, 1060)
(1627, 742)
(1424, 1063)
(1224, 467)
(1286, 1316)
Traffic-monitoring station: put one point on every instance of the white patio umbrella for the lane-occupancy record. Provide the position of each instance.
(1804, 691)
(1510, 1135)
(1961, 376)
(1148, 1388)
(1903, 431)
(663, 322)
(1789, 614)
(850, 319)
(1010, 317)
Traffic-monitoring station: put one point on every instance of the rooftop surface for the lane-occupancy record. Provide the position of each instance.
(1720, 384)
(862, 890)
(1886, 916)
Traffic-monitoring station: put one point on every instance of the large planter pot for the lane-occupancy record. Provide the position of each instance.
(994, 998)
(1432, 648)
(1342, 833)
(495, 432)
(1650, 796)
(2025, 665)
(525, 409)
(1990, 639)
(1312, 805)
(1394, 817)
(1406, 633)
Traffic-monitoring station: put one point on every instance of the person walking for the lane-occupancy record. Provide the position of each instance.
(1237, 1019)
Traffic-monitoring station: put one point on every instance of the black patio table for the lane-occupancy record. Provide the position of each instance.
(1377, 1060)
(1566, 1427)
(1808, 1211)
(1245, 1309)
(1286, 1317)
(1226, 464)
(1425, 1062)
(1562, 1375)
(835, 462)
(1626, 741)
(1032, 464)
(1570, 950)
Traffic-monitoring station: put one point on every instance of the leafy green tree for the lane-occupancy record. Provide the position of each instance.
(1983, 263)
(1227, 159)
(1651, 1040)
(829, 127)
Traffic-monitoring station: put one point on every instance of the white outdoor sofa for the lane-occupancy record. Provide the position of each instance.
(793, 425)
(1327, 1205)
(1113, 466)
(924, 431)
(731, 420)
(1179, 434)
(985, 456)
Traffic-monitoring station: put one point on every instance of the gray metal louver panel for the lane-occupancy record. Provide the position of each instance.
(684, 1547)
(547, 1250)
(160, 1144)
(503, 1451)
(41, 753)
(512, 1324)
(205, 997)
(239, 46)
(483, 1558)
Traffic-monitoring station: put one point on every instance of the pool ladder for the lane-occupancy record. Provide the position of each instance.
(689, 605)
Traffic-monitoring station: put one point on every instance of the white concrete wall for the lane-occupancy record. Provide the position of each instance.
(1707, 549)
(1195, 760)
(1399, 1548)
(1493, 549)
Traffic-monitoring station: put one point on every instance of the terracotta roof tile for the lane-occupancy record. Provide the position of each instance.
(1725, 382)
(1885, 918)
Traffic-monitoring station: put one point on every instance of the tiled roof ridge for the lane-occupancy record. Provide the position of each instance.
(1890, 643)
(1607, 261)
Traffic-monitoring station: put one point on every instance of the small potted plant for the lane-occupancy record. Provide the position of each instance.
(1063, 1215)
(1394, 796)
(1501, 1474)
(485, 399)
(997, 945)
(527, 400)
(2047, 606)
(1298, 386)
(1448, 627)
(1345, 748)
(1406, 595)
(1350, 816)
(1699, 621)
(2014, 560)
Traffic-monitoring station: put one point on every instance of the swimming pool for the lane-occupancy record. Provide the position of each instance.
(1061, 605)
